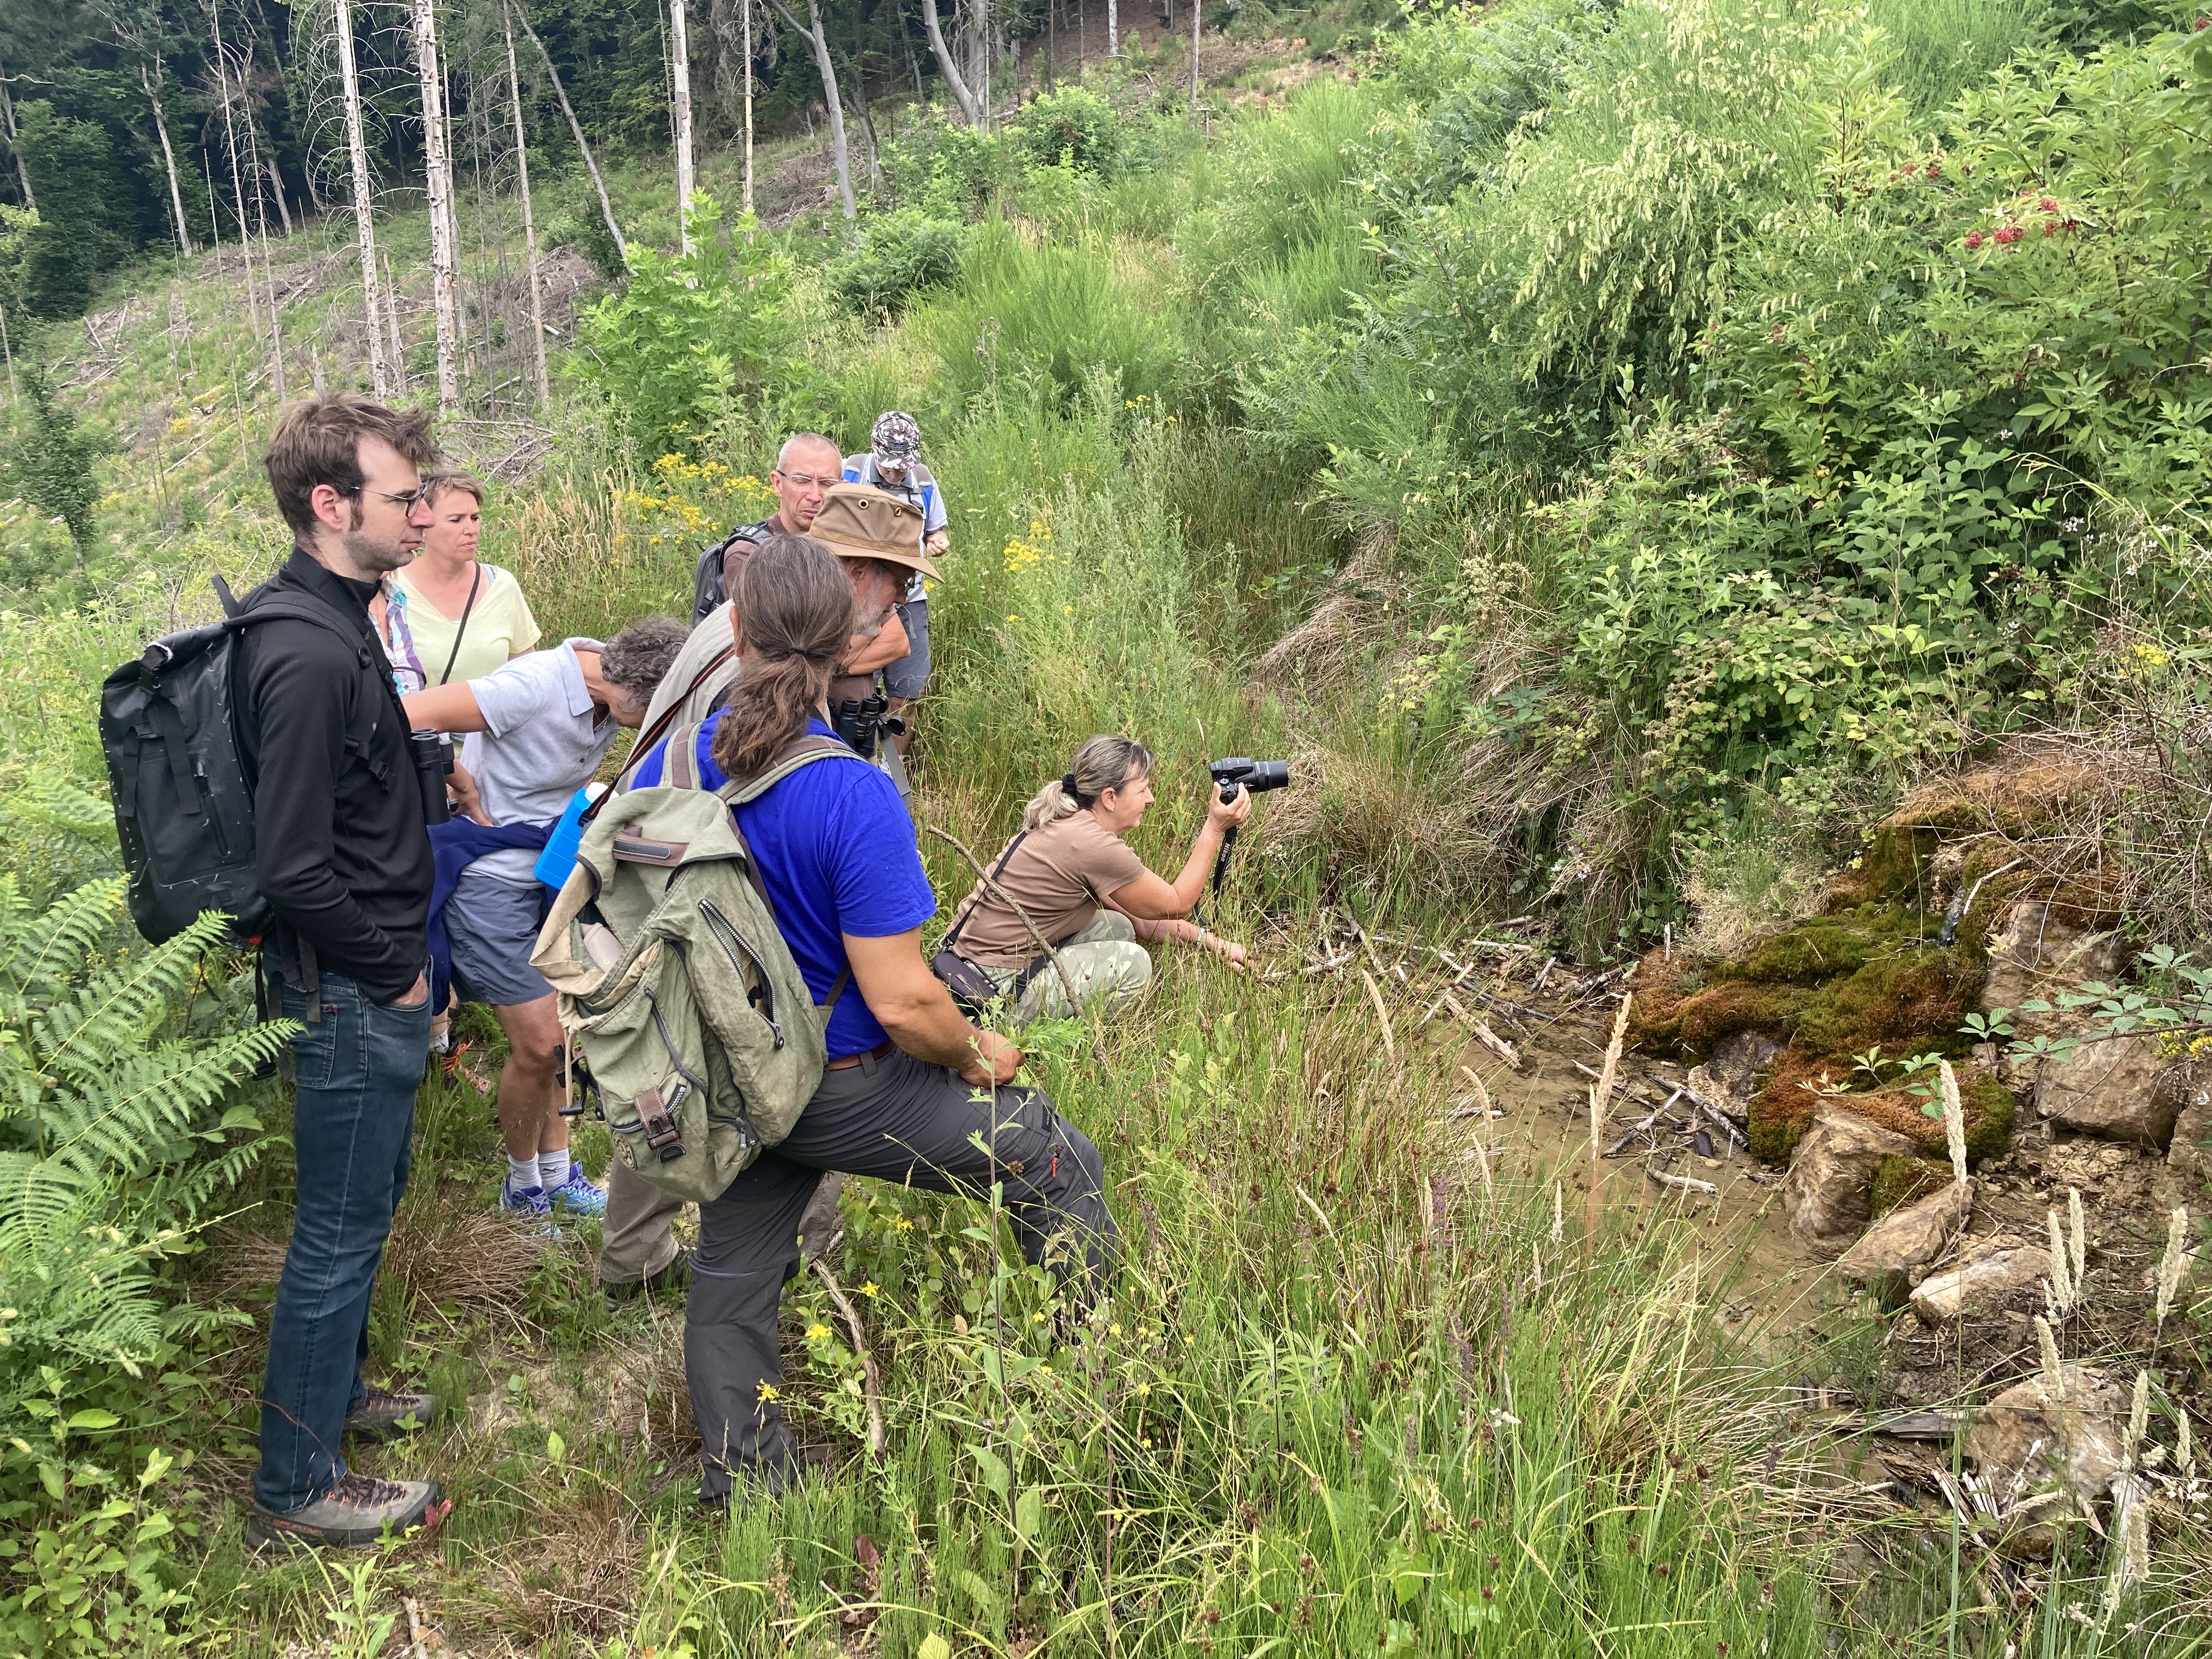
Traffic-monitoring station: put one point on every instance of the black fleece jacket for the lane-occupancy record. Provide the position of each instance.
(342, 853)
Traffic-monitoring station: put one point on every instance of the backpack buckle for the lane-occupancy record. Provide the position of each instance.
(660, 1132)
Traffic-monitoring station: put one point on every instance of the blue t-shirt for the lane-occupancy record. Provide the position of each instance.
(836, 851)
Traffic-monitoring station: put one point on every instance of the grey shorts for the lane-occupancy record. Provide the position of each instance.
(493, 926)
(910, 676)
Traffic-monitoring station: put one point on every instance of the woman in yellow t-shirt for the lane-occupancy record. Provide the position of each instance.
(466, 618)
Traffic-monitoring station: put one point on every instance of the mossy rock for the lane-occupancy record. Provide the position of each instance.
(1736, 1004)
(1803, 955)
(1898, 1181)
(1914, 1001)
(1890, 869)
(1780, 1112)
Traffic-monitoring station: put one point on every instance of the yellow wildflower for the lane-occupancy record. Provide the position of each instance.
(769, 1391)
(817, 1332)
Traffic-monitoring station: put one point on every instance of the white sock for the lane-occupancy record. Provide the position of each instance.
(521, 1174)
(553, 1169)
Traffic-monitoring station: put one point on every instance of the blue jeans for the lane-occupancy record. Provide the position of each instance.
(358, 1068)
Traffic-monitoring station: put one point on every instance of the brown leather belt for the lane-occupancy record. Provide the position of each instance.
(851, 1060)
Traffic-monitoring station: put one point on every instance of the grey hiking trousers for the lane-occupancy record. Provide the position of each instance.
(898, 1118)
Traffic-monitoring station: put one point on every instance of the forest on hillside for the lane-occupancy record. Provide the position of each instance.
(1710, 499)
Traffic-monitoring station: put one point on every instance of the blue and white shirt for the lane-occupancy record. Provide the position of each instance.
(918, 487)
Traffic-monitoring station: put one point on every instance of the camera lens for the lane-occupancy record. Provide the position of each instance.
(1269, 775)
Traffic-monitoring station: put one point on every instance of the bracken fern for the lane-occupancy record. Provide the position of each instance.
(107, 1114)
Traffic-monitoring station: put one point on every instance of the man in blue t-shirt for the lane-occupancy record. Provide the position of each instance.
(912, 1087)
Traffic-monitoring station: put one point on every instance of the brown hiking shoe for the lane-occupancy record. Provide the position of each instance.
(387, 1412)
(360, 1511)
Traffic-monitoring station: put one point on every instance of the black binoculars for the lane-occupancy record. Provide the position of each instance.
(432, 752)
(861, 722)
(1257, 775)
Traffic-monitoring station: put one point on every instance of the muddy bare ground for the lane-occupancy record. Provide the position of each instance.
(1542, 1133)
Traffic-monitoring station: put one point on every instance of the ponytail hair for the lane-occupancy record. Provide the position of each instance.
(795, 610)
(1101, 764)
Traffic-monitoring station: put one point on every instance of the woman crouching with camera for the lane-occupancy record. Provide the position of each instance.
(1083, 889)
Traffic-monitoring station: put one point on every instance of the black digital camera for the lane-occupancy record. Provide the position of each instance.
(1257, 775)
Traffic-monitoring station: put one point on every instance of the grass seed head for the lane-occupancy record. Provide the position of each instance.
(2172, 1265)
(1955, 1120)
(2054, 1374)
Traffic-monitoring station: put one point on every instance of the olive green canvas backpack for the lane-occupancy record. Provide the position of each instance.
(681, 1002)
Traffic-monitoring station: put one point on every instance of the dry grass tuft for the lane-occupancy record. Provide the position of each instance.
(573, 1572)
(446, 1253)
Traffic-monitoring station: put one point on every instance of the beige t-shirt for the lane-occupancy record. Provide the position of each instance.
(499, 626)
(1058, 874)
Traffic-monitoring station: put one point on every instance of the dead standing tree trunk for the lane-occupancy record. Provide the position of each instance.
(169, 162)
(379, 368)
(440, 184)
(970, 110)
(576, 129)
(819, 37)
(529, 223)
(679, 43)
(16, 147)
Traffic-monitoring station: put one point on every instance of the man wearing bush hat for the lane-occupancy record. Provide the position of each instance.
(877, 536)
(893, 463)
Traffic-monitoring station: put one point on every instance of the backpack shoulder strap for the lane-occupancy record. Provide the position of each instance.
(679, 765)
(804, 752)
(683, 744)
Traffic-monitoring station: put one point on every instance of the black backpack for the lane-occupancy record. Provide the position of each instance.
(176, 766)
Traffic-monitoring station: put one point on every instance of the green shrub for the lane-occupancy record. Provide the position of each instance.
(945, 167)
(893, 258)
(577, 222)
(1073, 127)
(693, 336)
(50, 463)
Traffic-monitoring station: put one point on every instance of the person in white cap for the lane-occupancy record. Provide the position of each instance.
(893, 462)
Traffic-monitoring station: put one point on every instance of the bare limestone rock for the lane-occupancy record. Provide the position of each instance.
(1984, 1281)
(2034, 953)
(2043, 1462)
(1828, 1194)
(1891, 1256)
(2110, 1089)
(2189, 1163)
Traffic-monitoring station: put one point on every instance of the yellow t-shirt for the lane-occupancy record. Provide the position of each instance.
(499, 626)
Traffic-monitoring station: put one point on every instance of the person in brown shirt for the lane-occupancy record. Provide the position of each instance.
(1086, 891)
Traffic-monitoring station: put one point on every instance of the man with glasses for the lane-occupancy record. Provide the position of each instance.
(342, 858)
(806, 468)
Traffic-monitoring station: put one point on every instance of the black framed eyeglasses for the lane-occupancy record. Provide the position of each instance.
(405, 501)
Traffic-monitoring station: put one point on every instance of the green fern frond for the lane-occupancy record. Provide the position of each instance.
(153, 1097)
(55, 803)
(41, 954)
(116, 1009)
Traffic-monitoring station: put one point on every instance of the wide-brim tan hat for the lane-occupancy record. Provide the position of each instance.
(860, 521)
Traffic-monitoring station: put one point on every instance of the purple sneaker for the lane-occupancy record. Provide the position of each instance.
(531, 1209)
